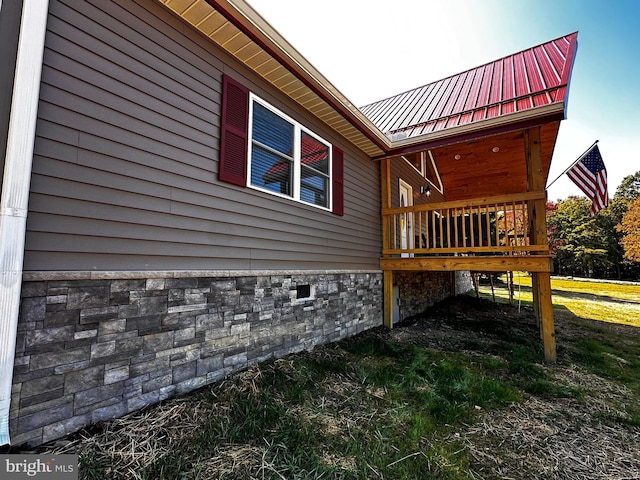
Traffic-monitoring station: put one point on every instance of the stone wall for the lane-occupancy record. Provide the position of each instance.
(94, 347)
(421, 290)
(463, 282)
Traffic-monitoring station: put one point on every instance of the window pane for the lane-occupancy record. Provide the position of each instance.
(270, 171)
(415, 159)
(271, 130)
(314, 154)
(314, 187)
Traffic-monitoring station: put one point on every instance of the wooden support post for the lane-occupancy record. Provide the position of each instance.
(541, 281)
(385, 181)
(388, 298)
(546, 316)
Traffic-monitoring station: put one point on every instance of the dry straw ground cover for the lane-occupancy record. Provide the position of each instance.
(459, 393)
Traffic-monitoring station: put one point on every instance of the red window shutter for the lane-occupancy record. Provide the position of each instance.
(338, 180)
(234, 132)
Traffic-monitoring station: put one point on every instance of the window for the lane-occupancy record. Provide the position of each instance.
(285, 158)
(416, 160)
(262, 148)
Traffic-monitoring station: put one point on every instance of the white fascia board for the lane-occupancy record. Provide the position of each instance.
(15, 189)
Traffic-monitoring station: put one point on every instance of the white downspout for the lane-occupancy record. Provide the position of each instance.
(15, 189)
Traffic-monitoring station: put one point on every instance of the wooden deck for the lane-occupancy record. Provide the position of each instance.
(500, 233)
(482, 234)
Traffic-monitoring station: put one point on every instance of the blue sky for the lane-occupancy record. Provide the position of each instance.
(370, 50)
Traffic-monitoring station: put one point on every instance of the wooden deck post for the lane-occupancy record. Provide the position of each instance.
(545, 303)
(388, 298)
(541, 281)
(385, 181)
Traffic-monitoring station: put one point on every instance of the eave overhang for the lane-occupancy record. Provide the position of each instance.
(237, 28)
(481, 129)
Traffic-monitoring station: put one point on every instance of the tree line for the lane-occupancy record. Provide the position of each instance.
(606, 245)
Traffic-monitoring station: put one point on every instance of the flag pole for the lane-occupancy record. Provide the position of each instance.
(570, 166)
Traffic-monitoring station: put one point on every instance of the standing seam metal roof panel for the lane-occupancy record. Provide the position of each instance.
(532, 78)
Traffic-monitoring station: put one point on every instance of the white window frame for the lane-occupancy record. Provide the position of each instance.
(422, 171)
(298, 128)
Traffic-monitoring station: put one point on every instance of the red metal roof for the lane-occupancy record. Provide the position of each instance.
(535, 77)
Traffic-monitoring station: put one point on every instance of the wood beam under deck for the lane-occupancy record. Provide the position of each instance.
(520, 263)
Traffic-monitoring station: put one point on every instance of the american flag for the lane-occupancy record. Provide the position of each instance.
(590, 175)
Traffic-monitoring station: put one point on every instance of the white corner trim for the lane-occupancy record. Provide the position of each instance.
(15, 189)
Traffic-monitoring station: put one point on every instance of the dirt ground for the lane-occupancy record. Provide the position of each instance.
(540, 438)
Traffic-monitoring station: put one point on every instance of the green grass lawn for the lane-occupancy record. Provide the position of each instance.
(461, 393)
(603, 301)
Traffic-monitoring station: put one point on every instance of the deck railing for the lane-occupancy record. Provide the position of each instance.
(491, 225)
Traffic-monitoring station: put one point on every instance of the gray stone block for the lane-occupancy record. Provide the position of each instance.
(128, 285)
(103, 349)
(63, 317)
(85, 379)
(109, 412)
(184, 372)
(190, 385)
(33, 309)
(148, 367)
(49, 335)
(142, 401)
(95, 395)
(30, 422)
(158, 342)
(46, 360)
(112, 326)
(144, 325)
(204, 366)
(157, 383)
(64, 427)
(40, 385)
(117, 374)
(88, 297)
(33, 289)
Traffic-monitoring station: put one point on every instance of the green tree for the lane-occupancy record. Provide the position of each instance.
(629, 188)
(600, 245)
(578, 241)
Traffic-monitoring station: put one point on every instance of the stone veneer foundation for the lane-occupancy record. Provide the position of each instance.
(95, 346)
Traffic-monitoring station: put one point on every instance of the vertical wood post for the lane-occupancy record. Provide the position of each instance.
(388, 298)
(546, 316)
(541, 281)
(385, 182)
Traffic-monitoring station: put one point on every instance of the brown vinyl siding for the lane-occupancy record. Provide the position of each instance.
(401, 169)
(125, 163)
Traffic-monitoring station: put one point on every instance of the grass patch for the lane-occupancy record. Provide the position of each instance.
(603, 301)
(366, 408)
